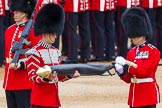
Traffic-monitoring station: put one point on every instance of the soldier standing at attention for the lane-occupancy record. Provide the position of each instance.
(16, 82)
(76, 34)
(144, 90)
(102, 34)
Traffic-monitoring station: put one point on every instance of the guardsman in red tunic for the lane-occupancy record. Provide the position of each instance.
(2, 14)
(48, 23)
(144, 90)
(102, 18)
(76, 33)
(41, 3)
(16, 82)
(122, 39)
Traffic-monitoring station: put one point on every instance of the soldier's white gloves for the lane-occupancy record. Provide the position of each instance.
(120, 60)
(119, 69)
(44, 72)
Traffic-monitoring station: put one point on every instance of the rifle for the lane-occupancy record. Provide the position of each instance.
(18, 46)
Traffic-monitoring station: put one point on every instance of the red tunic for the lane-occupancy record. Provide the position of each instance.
(43, 93)
(38, 6)
(103, 5)
(151, 3)
(147, 57)
(40, 3)
(43, 2)
(16, 79)
(2, 7)
(128, 3)
(76, 5)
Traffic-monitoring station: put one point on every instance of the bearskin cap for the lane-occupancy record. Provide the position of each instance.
(49, 19)
(26, 6)
(136, 23)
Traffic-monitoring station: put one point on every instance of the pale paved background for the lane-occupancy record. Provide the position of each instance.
(91, 92)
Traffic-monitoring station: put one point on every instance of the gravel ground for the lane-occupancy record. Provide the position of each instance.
(91, 92)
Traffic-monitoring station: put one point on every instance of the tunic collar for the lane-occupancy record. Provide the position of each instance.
(22, 24)
(142, 44)
(46, 45)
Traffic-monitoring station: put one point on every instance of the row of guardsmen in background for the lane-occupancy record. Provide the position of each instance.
(93, 27)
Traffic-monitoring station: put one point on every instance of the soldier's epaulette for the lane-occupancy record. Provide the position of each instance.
(33, 51)
(151, 46)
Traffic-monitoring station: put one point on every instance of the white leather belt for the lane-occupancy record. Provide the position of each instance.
(141, 80)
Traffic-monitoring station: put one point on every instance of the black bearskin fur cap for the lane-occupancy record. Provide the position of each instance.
(136, 23)
(50, 19)
(26, 6)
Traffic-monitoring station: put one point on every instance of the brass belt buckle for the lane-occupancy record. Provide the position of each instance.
(55, 79)
(135, 79)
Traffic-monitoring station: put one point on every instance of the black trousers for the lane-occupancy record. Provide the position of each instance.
(5, 21)
(18, 98)
(159, 28)
(1, 41)
(102, 33)
(121, 37)
(77, 35)
(150, 106)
